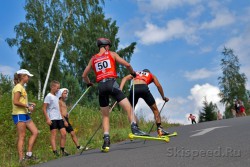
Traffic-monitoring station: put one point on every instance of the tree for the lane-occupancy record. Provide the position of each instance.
(6, 84)
(73, 86)
(209, 112)
(232, 82)
(36, 39)
(79, 43)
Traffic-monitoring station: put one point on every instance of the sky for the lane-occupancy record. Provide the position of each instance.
(179, 41)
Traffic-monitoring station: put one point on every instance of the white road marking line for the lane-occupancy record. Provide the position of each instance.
(204, 131)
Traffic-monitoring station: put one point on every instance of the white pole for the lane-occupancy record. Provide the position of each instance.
(52, 59)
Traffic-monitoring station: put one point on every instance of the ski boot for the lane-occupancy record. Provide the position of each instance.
(162, 132)
(106, 143)
(136, 130)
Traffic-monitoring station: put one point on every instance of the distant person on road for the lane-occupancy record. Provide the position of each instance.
(21, 109)
(237, 107)
(192, 118)
(219, 116)
(242, 109)
(54, 118)
(63, 95)
(141, 81)
(233, 112)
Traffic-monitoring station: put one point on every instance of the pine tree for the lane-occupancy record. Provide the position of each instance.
(209, 112)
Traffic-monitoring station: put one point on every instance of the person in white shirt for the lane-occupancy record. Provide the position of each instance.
(54, 118)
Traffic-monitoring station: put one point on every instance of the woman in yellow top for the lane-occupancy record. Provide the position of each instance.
(20, 114)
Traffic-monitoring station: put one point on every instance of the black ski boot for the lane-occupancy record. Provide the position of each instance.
(136, 130)
(106, 143)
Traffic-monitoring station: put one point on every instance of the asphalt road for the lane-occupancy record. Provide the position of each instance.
(224, 143)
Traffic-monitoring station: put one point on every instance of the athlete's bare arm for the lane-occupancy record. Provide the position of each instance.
(122, 62)
(86, 72)
(124, 80)
(159, 87)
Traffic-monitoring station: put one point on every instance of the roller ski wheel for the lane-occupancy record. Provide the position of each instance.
(105, 150)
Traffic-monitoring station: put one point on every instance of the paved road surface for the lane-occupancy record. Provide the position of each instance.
(224, 143)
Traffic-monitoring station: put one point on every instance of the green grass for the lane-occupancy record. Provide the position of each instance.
(84, 121)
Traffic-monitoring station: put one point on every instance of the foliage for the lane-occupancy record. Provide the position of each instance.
(6, 84)
(73, 86)
(232, 82)
(36, 39)
(209, 112)
(37, 36)
(84, 121)
(79, 42)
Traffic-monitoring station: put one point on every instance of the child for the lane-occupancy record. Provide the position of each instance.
(20, 115)
(54, 118)
(62, 95)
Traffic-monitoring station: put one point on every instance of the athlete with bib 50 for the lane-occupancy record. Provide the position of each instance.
(104, 66)
(141, 90)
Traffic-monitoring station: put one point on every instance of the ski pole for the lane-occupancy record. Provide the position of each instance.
(96, 130)
(78, 100)
(133, 110)
(154, 123)
(91, 138)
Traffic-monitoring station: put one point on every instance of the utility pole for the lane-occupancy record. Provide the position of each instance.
(53, 57)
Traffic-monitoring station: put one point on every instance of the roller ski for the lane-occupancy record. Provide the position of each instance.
(136, 130)
(138, 134)
(163, 133)
(133, 137)
(106, 144)
(170, 135)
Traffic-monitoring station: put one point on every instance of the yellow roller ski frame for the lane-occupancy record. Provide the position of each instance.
(170, 135)
(132, 137)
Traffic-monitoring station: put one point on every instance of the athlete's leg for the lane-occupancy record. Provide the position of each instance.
(105, 119)
(156, 113)
(126, 106)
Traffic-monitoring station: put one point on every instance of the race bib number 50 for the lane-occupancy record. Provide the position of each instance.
(102, 65)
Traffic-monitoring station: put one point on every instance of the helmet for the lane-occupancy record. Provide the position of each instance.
(146, 70)
(103, 42)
